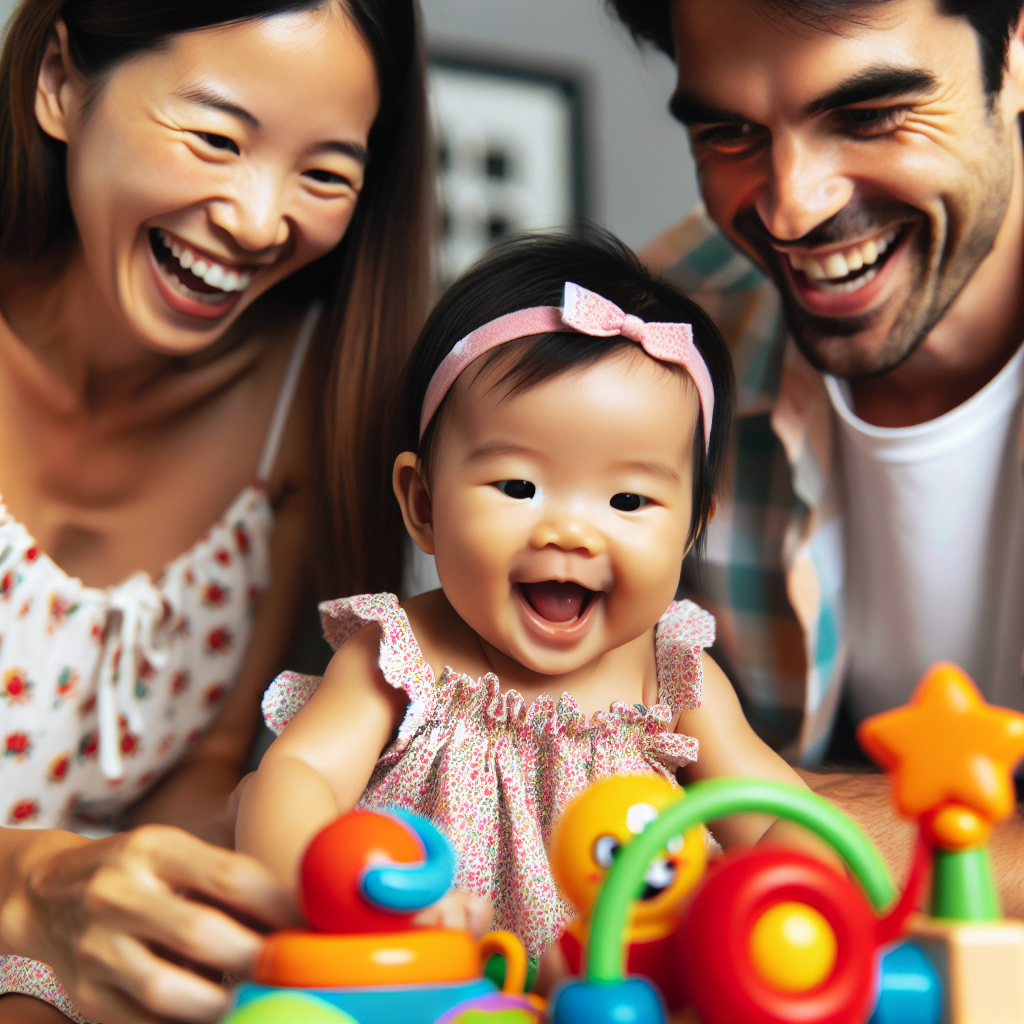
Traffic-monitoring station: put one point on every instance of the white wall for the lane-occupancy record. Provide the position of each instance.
(640, 172)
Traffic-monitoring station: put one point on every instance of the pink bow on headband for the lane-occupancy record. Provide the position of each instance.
(585, 312)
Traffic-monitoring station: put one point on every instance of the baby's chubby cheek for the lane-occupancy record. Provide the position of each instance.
(632, 605)
(473, 555)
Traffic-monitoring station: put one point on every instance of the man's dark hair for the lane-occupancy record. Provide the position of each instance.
(992, 20)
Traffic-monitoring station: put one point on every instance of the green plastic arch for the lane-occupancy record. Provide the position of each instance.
(709, 801)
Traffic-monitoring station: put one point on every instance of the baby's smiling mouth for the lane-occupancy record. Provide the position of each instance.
(555, 601)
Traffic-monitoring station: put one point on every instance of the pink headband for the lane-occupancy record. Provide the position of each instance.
(584, 312)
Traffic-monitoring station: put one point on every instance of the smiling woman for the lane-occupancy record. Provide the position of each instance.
(213, 261)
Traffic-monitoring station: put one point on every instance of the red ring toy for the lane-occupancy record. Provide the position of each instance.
(714, 948)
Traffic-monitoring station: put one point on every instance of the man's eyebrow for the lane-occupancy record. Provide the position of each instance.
(207, 97)
(689, 110)
(881, 82)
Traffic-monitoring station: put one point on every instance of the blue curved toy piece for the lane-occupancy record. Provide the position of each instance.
(909, 988)
(404, 888)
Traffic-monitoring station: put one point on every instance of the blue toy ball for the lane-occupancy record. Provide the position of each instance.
(633, 1001)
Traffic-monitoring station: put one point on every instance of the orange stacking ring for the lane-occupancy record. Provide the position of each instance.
(318, 960)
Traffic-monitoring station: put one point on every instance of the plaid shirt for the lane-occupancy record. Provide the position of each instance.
(774, 570)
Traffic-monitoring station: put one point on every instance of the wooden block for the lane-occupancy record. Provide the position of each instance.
(981, 966)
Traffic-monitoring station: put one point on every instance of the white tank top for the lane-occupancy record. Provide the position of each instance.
(102, 690)
(935, 546)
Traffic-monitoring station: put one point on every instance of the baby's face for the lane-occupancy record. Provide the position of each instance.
(560, 514)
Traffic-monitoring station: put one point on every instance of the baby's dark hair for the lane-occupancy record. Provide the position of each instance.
(528, 270)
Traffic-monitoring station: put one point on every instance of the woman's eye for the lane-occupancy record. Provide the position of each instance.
(218, 141)
(328, 177)
(516, 488)
(629, 502)
(605, 849)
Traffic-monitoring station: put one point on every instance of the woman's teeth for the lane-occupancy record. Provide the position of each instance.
(827, 273)
(216, 275)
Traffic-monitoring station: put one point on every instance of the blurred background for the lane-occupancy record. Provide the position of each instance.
(546, 112)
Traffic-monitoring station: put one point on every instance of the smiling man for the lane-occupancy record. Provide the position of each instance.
(862, 248)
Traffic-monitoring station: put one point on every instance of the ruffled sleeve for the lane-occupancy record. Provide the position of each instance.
(683, 632)
(400, 658)
(285, 697)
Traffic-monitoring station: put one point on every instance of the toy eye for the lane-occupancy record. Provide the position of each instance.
(629, 502)
(675, 844)
(605, 849)
(516, 488)
(660, 874)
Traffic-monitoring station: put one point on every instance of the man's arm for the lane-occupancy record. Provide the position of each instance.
(865, 797)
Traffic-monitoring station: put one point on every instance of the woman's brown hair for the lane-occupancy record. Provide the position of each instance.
(375, 283)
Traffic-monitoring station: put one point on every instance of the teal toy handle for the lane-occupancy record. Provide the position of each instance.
(404, 888)
(708, 801)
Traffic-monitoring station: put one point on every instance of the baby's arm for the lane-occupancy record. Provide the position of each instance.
(728, 746)
(320, 765)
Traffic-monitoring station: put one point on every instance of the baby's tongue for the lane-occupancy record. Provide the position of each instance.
(554, 601)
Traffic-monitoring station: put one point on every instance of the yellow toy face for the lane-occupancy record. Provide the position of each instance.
(609, 815)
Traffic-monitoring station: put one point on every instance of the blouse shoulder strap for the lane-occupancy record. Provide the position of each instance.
(683, 632)
(401, 660)
(284, 397)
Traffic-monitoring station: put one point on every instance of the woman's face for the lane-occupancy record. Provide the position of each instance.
(206, 171)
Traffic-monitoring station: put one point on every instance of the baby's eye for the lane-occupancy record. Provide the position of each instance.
(628, 502)
(516, 488)
(605, 849)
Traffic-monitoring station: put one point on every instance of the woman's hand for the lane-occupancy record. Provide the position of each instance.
(131, 924)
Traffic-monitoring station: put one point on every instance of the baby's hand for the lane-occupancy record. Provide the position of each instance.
(459, 910)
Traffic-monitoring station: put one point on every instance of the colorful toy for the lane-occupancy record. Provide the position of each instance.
(775, 937)
(363, 878)
(589, 834)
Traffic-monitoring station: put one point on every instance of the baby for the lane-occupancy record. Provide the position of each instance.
(561, 461)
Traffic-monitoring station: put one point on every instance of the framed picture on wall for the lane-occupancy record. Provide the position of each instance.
(510, 153)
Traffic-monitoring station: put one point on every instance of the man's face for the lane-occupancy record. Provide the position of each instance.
(863, 165)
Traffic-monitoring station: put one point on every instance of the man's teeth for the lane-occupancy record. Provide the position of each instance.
(839, 264)
(214, 274)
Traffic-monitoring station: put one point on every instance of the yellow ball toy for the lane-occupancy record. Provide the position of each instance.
(607, 816)
(793, 947)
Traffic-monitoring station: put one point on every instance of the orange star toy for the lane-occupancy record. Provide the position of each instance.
(947, 746)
